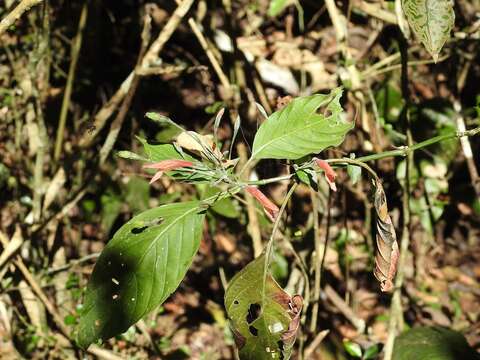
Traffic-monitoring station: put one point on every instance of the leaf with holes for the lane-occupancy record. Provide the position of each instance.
(264, 318)
(139, 268)
(431, 21)
(307, 125)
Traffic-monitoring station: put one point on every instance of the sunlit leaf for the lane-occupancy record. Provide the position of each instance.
(263, 317)
(433, 343)
(431, 21)
(352, 348)
(307, 125)
(277, 6)
(139, 268)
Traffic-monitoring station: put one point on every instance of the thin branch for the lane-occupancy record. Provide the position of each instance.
(16, 13)
(75, 53)
(317, 260)
(150, 58)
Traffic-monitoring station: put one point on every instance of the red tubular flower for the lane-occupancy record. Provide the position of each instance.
(166, 165)
(270, 208)
(330, 175)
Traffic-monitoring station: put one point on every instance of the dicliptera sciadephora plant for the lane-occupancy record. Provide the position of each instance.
(148, 257)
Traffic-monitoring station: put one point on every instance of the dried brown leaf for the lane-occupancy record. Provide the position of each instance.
(386, 258)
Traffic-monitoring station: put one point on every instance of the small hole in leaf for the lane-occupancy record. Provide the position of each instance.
(281, 346)
(253, 312)
(236, 302)
(138, 230)
(253, 330)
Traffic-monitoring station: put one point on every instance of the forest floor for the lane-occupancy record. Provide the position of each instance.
(64, 192)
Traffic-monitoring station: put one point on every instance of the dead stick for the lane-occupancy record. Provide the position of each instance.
(150, 57)
(213, 60)
(75, 53)
(16, 13)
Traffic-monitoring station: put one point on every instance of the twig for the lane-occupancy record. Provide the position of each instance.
(316, 260)
(53, 271)
(10, 248)
(75, 53)
(16, 13)
(467, 149)
(211, 57)
(150, 58)
(375, 10)
(314, 344)
(116, 125)
(343, 307)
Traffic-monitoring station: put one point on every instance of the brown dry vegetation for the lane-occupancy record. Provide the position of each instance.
(70, 61)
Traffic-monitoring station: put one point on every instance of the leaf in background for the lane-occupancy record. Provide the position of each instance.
(137, 194)
(226, 207)
(263, 317)
(431, 21)
(386, 257)
(433, 343)
(139, 268)
(162, 152)
(308, 176)
(352, 348)
(298, 130)
(111, 206)
(354, 172)
(277, 6)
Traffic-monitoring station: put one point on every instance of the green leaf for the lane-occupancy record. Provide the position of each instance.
(298, 130)
(125, 154)
(431, 21)
(277, 6)
(161, 152)
(352, 348)
(354, 172)
(264, 318)
(139, 268)
(137, 194)
(371, 352)
(111, 207)
(432, 343)
(225, 207)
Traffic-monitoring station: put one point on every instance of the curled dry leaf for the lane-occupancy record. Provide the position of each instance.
(203, 144)
(270, 208)
(166, 165)
(330, 174)
(386, 258)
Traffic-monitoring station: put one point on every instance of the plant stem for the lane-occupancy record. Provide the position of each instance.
(270, 180)
(360, 161)
(404, 151)
(355, 162)
(269, 247)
